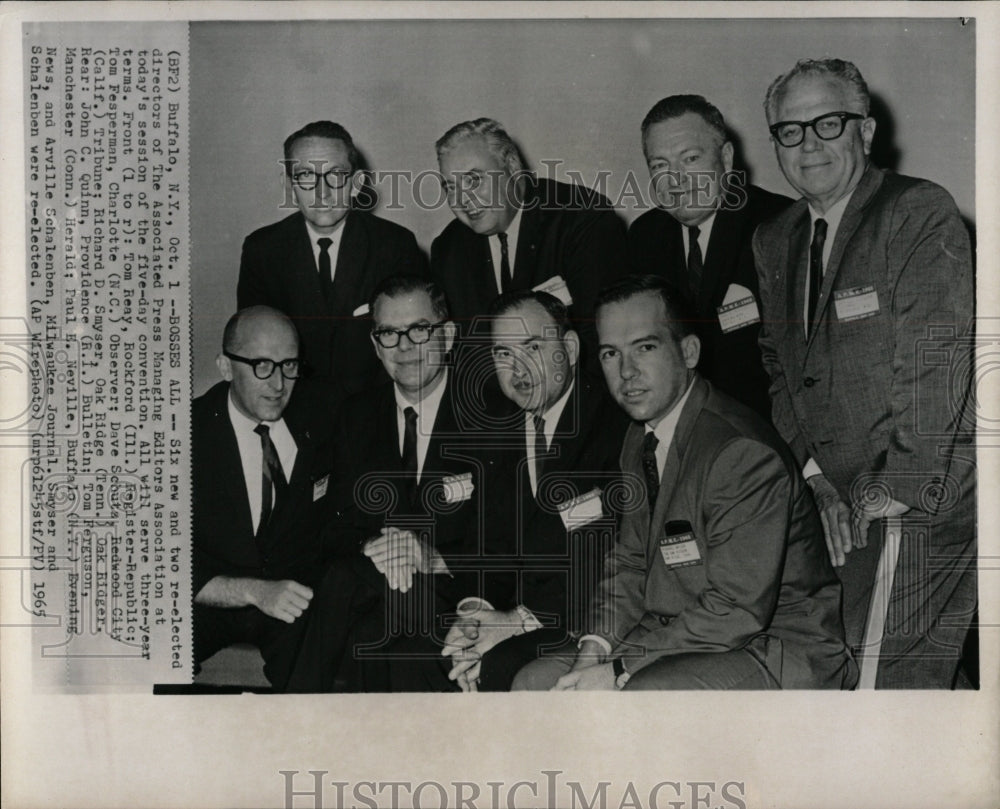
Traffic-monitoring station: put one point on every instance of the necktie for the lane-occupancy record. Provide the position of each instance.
(695, 263)
(271, 475)
(650, 470)
(541, 448)
(506, 278)
(325, 281)
(410, 450)
(815, 270)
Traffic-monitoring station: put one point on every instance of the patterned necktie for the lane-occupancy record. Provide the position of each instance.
(410, 451)
(815, 270)
(650, 470)
(506, 278)
(325, 272)
(272, 475)
(541, 448)
(696, 265)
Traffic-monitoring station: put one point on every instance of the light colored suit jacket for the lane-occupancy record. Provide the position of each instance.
(876, 394)
(760, 577)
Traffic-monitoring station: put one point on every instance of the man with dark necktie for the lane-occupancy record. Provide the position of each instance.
(320, 265)
(260, 501)
(699, 239)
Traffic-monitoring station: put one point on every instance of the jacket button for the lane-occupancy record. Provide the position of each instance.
(808, 381)
(664, 620)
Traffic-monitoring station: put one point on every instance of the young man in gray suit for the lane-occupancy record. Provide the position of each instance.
(867, 291)
(719, 578)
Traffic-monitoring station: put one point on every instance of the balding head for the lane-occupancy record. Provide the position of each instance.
(258, 333)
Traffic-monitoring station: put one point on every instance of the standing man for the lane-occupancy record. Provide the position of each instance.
(513, 231)
(719, 578)
(320, 265)
(699, 239)
(867, 293)
(562, 461)
(260, 501)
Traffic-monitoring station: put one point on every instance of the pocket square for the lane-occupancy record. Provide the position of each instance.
(361, 310)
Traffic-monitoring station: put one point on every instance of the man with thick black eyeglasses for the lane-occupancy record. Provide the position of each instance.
(867, 292)
(261, 480)
(320, 265)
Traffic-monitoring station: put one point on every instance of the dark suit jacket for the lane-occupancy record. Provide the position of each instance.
(565, 230)
(224, 542)
(876, 400)
(557, 568)
(372, 490)
(762, 579)
(729, 360)
(278, 269)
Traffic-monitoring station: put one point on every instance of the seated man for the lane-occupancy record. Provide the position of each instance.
(561, 461)
(409, 486)
(260, 485)
(720, 579)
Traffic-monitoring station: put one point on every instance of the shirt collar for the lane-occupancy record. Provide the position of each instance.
(243, 423)
(315, 236)
(664, 431)
(554, 413)
(426, 407)
(835, 213)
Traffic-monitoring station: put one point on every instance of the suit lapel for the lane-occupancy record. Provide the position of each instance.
(231, 466)
(722, 256)
(795, 289)
(528, 238)
(351, 258)
(302, 265)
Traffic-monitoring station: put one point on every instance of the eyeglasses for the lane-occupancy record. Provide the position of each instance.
(264, 368)
(828, 126)
(334, 179)
(418, 334)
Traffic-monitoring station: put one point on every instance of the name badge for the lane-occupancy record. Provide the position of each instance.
(320, 487)
(581, 510)
(556, 286)
(458, 488)
(855, 303)
(738, 309)
(680, 550)
(361, 310)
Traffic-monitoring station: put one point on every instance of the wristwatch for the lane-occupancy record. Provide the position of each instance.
(621, 676)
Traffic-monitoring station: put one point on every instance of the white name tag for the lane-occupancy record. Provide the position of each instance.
(680, 550)
(320, 486)
(556, 286)
(581, 510)
(855, 303)
(457, 488)
(361, 310)
(738, 309)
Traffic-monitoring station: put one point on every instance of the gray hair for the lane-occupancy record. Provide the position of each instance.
(841, 70)
(500, 144)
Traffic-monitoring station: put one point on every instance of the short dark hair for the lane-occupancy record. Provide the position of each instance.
(675, 106)
(231, 333)
(322, 129)
(405, 283)
(839, 69)
(557, 310)
(680, 319)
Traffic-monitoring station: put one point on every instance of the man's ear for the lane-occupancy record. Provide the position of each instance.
(868, 134)
(727, 157)
(225, 366)
(691, 350)
(572, 342)
(377, 346)
(450, 334)
(357, 183)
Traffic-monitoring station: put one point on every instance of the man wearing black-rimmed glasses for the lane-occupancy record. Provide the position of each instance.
(320, 264)
(261, 481)
(867, 292)
(410, 486)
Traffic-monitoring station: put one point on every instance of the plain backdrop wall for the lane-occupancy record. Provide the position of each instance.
(573, 91)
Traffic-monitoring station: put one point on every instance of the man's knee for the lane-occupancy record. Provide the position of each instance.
(540, 675)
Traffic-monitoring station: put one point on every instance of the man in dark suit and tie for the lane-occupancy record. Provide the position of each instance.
(699, 239)
(719, 578)
(412, 486)
(513, 231)
(260, 499)
(320, 265)
(867, 292)
(557, 489)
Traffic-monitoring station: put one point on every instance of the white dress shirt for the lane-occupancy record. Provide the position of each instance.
(427, 410)
(551, 416)
(704, 234)
(334, 249)
(495, 253)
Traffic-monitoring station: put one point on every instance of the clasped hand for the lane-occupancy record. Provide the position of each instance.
(398, 554)
(472, 635)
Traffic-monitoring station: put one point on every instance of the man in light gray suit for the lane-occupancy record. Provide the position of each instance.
(867, 292)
